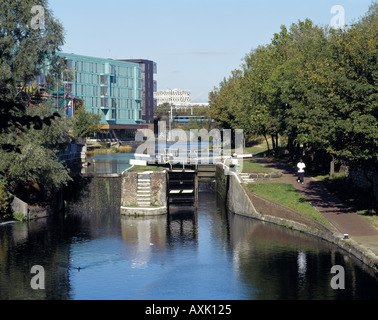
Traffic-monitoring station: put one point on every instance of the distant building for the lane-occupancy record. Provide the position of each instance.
(176, 97)
(149, 87)
(110, 88)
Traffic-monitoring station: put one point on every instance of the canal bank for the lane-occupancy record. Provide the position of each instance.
(112, 191)
(164, 257)
(121, 190)
(239, 200)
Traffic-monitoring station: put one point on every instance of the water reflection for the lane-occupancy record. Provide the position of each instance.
(151, 234)
(276, 263)
(109, 163)
(23, 245)
(207, 255)
(143, 234)
(183, 228)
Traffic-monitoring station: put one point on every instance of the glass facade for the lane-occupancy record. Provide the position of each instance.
(108, 87)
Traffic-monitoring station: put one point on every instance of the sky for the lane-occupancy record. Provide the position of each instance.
(195, 43)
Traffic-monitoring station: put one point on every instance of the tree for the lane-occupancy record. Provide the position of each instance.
(35, 172)
(86, 123)
(316, 86)
(28, 133)
(355, 76)
(23, 53)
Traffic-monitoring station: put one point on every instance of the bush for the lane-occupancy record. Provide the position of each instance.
(4, 202)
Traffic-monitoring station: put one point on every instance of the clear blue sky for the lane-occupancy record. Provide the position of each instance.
(196, 43)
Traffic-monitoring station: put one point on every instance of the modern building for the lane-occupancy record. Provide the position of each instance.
(176, 97)
(149, 87)
(110, 88)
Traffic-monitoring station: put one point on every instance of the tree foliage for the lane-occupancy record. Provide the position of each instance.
(315, 85)
(36, 172)
(30, 133)
(85, 123)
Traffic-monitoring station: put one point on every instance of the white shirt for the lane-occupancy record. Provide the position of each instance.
(301, 166)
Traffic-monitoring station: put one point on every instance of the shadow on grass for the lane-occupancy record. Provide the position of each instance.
(355, 198)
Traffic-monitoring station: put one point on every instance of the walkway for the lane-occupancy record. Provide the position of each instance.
(337, 213)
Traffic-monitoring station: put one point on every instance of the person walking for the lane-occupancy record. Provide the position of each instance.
(301, 166)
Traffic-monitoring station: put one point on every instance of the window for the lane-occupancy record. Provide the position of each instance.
(104, 91)
(114, 103)
(104, 102)
(114, 114)
(104, 80)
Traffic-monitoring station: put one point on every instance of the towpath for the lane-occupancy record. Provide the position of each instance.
(333, 209)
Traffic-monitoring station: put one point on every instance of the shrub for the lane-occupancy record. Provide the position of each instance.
(4, 201)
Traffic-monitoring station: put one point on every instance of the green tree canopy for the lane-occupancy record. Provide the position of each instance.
(29, 133)
(315, 85)
(85, 123)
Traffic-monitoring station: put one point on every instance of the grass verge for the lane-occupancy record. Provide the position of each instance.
(287, 195)
(251, 166)
(146, 168)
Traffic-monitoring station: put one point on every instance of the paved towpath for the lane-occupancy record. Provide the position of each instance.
(334, 210)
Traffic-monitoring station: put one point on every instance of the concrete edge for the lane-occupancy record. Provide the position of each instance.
(350, 246)
(135, 211)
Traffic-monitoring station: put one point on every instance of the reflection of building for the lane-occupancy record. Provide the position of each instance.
(176, 97)
(149, 87)
(147, 234)
(109, 88)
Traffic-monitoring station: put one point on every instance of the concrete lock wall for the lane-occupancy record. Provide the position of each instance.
(144, 193)
(238, 201)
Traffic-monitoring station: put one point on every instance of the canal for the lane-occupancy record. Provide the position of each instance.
(210, 255)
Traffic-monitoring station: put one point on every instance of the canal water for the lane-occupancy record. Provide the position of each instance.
(209, 255)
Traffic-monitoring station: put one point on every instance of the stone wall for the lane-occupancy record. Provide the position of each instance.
(221, 182)
(129, 189)
(30, 212)
(144, 193)
(95, 192)
(159, 188)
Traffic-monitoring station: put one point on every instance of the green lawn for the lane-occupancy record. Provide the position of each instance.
(251, 166)
(287, 195)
